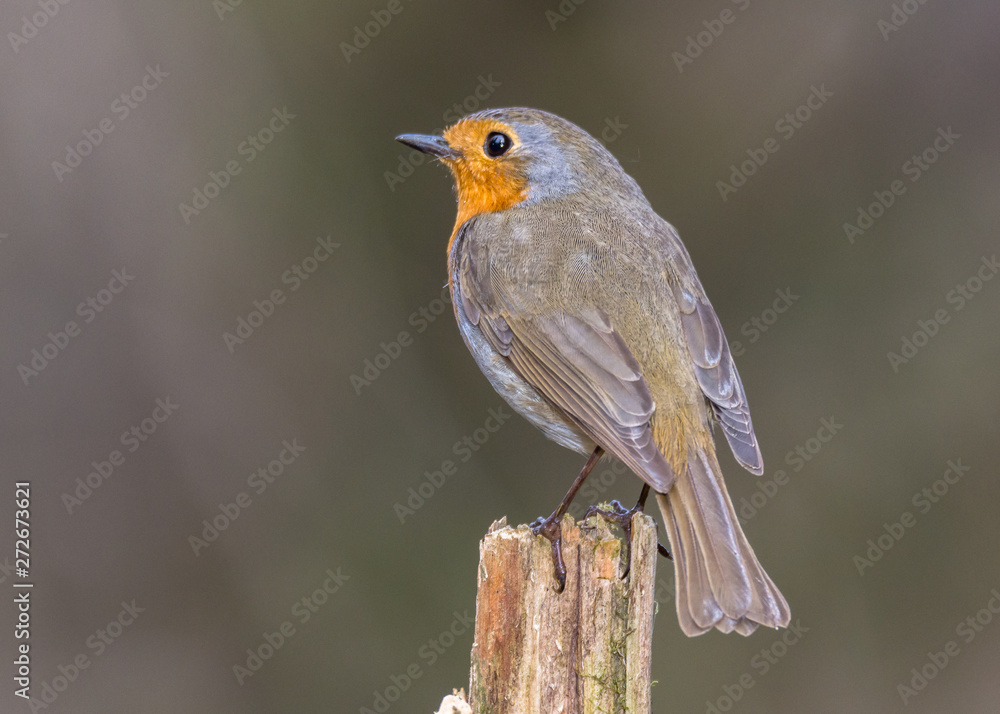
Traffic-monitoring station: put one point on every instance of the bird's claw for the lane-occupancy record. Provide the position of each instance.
(618, 514)
(551, 529)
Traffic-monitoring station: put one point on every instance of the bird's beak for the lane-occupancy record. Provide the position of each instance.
(433, 145)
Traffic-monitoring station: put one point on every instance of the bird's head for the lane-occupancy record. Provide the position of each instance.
(502, 158)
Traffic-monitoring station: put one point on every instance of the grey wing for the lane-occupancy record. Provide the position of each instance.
(713, 362)
(578, 363)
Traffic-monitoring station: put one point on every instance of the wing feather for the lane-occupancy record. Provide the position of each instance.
(713, 362)
(580, 364)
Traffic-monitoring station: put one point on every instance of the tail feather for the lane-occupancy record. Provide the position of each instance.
(719, 581)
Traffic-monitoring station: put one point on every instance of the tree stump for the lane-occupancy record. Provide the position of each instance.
(581, 651)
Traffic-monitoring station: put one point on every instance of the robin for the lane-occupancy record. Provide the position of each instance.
(582, 308)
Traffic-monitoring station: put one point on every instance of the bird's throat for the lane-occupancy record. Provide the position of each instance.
(479, 193)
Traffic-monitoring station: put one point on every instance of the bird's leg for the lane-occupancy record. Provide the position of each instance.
(639, 506)
(551, 528)
(623, 517)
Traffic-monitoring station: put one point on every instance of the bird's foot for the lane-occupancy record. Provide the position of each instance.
(622, 517)
(551, 529)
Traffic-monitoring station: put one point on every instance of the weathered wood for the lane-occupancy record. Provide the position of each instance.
(581, 651)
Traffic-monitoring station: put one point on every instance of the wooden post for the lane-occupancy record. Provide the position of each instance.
(581, 651)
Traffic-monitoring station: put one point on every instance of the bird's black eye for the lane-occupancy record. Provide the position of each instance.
(497, 144)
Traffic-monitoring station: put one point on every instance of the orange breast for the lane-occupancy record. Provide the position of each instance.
(485, 184)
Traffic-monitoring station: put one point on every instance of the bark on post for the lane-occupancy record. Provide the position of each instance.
(585, 650)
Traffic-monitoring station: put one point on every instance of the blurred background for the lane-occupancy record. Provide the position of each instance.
(229, 375)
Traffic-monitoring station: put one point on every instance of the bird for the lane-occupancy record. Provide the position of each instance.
(582, 308)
